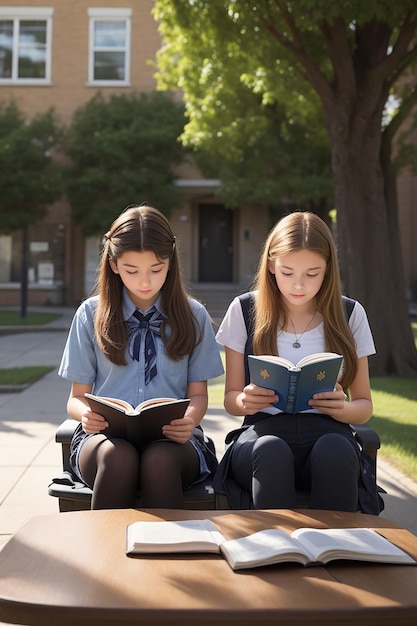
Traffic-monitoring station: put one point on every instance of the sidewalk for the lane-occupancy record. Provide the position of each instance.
(29, 456)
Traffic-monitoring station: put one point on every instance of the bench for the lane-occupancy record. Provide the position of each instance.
(74, 496)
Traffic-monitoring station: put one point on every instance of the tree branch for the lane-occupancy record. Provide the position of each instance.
(295, 46)
(402, 55)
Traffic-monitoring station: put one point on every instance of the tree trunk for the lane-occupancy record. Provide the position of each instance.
(369, 242)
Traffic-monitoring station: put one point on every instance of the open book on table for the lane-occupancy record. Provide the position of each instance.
(307, 546)
(140, 424)
(296, 383)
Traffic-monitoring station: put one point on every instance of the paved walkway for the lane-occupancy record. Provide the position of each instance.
(29, 456)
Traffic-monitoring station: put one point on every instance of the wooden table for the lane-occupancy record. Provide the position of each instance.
(71, 568)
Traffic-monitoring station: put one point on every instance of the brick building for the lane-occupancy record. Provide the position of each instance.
(72, 49)
(59, 54)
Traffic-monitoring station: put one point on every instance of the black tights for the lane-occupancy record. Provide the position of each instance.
(115, 471)
(268, 468)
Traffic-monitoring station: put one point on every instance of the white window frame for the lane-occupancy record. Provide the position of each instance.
(16, 15)
(109, 15)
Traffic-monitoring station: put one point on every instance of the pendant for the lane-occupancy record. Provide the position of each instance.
(296, 344)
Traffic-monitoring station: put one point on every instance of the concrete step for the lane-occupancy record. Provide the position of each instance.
(216, 297)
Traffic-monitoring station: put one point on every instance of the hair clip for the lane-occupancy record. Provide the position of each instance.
(107, 236)
(174, 240)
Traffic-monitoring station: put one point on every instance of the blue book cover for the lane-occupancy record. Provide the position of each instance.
(296, 383)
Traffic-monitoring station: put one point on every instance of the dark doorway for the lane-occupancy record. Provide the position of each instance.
(215, 243)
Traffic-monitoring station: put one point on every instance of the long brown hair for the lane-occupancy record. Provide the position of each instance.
(142, 228)
(297, 231)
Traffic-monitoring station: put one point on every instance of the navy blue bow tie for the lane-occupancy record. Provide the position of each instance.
(149, 325)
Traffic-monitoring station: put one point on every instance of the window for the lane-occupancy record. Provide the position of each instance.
(109, 62)
(25, 45)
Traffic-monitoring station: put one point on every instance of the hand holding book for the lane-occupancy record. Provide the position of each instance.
(140, 424)
(295, 384)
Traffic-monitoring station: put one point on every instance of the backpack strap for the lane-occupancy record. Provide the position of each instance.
(349, 305)
(247, 302)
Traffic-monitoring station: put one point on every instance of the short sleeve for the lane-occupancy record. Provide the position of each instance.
(79, 359)
(205, 361)
(232, 331)
(361, 331)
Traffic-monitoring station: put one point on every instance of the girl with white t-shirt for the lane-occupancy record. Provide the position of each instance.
(298, 310)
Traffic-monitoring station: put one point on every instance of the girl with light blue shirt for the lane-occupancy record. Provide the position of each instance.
(112, 351)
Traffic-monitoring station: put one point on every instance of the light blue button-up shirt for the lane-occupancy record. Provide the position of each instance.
(83, 362)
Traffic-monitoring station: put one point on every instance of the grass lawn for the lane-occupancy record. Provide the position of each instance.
(23, 375)
(10, 317)
(395, 420)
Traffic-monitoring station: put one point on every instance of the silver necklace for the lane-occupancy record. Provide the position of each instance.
(297, 343)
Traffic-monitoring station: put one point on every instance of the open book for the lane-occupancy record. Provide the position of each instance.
(295, 384)
(196, 535)
(307, 546)
(140, 424)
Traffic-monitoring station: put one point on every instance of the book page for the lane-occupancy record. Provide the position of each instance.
(270, 358)
(317, 358)
(263, 548)
(154, 402)
(115, 402)
(159, 406)
(349, 543)
(173, 536)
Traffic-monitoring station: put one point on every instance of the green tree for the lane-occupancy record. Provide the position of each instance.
(264, 158)
(350, 54)
(122, 151)
(30, 177)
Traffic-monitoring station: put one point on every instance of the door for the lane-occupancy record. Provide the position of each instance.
(215, 243)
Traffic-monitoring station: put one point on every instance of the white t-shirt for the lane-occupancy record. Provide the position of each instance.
(232, 334)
